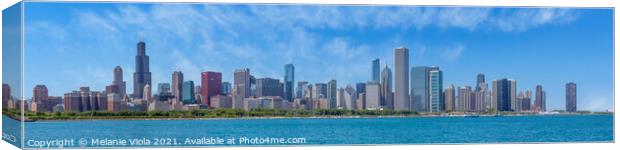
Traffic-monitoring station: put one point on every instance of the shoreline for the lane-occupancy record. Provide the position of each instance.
(298, 117)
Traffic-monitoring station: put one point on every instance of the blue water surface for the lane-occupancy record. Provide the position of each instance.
(341, 131)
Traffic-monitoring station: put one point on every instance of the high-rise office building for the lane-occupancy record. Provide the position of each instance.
(387, 96)
(289, 80)
(376, 68)
(188, 92)
(268, 87)
(147, 94)
(481, 97)
(118, 85)
(72, 101)
(301, 88)
(163, 92)
(39, 93)
(526, 102)
(479, 81)
(84, 96)
(163, 88)
(373, 95)
(436, 100)
(40, 96)
(449, 98)
(226, 88)
(401, 77)
(349, 98)
(465, 99)
(177, 85)
(420, 89)
(319, 91)
(539, 102)
(242, 83)
(360, 87)
(142, 76)
(504, 94)
(332, 90)
(211, 85)
(571, 97)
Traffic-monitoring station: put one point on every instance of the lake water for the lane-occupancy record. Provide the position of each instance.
(313, 131)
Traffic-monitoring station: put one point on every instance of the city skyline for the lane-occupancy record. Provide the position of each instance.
(358, 53)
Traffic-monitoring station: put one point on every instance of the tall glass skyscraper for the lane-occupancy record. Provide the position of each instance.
(420, 89)
(332, 90)
(401, 76)
(289, 79)
(188, 92)
(375, 70)
(479, 81)
(435, 82)
(504, 94)
(571, 97)
(142, 76)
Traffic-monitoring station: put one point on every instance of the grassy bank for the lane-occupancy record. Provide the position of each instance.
(239, 113)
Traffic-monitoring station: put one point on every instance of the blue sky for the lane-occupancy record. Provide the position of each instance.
(68, 45)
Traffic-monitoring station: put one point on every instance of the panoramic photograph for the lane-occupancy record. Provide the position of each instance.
(106, 75)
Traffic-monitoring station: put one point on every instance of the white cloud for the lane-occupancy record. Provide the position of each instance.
(523, 19)
(454, 52)
(224, 33)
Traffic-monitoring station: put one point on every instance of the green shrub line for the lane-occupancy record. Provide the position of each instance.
(235, 113)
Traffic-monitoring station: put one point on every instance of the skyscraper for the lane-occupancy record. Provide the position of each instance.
(301, 88)
(177, 85)
(211, 85)
(39, 93)
(435, 82)
(289, 80)
(387, 96)
(527, 101)
(118, 81)
(504, 94)
(163, 88)
(147, 93)
(420, 89)
(376, 68)
(268, 87)
(142, 76)
(332, 90)
(164, 93)
(479, 81)
(373, 95)
(319, 91)
(188, 92)
(242, 83)
(360, 87)
(571, 97)
(449, 98)
(39, 96)
(226, 88)
(349, 97)
(539, 102)
(465, 99)
(401, 76)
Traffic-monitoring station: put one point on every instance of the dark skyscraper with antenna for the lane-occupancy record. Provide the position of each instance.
(142, 76)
